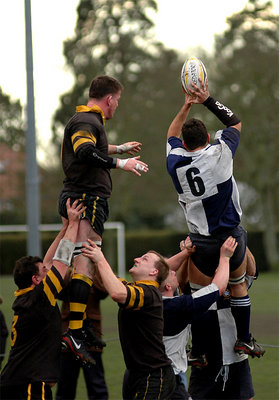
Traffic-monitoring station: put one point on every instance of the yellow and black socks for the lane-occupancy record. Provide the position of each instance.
(79, 293)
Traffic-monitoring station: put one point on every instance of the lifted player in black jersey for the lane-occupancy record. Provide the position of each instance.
(86, 163)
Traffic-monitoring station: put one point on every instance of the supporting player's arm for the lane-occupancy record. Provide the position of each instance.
(62, 258)
(113, 285)
(179, 262)
(222, 272)
(186, 250)
(52, 248)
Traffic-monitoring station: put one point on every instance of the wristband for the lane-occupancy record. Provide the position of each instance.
(123, 148)
(119, 149)
(225, 115)
(64, 252)
(122, 163)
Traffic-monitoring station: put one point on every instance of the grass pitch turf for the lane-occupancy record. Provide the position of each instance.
(264, 326)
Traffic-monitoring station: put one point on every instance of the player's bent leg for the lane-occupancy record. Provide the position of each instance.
(251, 269)
(196, 276)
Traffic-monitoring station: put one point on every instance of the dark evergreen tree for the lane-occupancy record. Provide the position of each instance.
(11, 122)
(246, 77)
(115, 38)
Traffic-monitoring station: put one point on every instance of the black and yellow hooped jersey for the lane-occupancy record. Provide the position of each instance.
(35, 333)
(140, 322)
(85, 129)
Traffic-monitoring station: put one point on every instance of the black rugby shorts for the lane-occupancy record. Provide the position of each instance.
(96, 213)
(32, 391)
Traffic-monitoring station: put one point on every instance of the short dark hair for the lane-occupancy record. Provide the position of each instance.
(162, 266)
(24, 269)
(194, 133)
(103, 85)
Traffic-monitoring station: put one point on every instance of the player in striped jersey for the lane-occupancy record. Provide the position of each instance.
(181, 310)
(87, 161)
(202, 174)
(33, 364)
(149, 374)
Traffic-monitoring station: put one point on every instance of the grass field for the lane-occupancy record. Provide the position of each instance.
(264, 325)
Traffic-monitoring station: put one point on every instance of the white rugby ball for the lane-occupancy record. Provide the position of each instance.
(192, 70)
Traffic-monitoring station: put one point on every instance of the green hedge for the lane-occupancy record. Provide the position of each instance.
(167, 243)
(13, 246)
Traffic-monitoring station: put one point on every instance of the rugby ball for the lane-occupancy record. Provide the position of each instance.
(192, 70)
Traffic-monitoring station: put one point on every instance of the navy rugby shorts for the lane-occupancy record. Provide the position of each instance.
(96, 213)
(206, 256)
(204, 385)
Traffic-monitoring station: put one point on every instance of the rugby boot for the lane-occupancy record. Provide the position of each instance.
(252, 348)
(77, 347)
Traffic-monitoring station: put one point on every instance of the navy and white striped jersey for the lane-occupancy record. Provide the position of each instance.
(222, 335)
(205, 184)
(179, 312)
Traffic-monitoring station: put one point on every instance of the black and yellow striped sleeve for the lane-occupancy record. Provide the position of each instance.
(53, 284)
(84, 146)
(80, 138)
(135, 297)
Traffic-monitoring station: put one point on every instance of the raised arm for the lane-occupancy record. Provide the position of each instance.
(176, 125)
(62, 258)
(223, 113)
(115, 288)
(52, 248)
(179, 262)
(186, 250)
(222, 272)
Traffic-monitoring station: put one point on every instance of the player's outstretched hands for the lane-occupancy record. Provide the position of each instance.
(187, 245)
(133, 165)
(75, 210)
(129, 147)
(92, 251)
(198, 95)
(228, 247)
